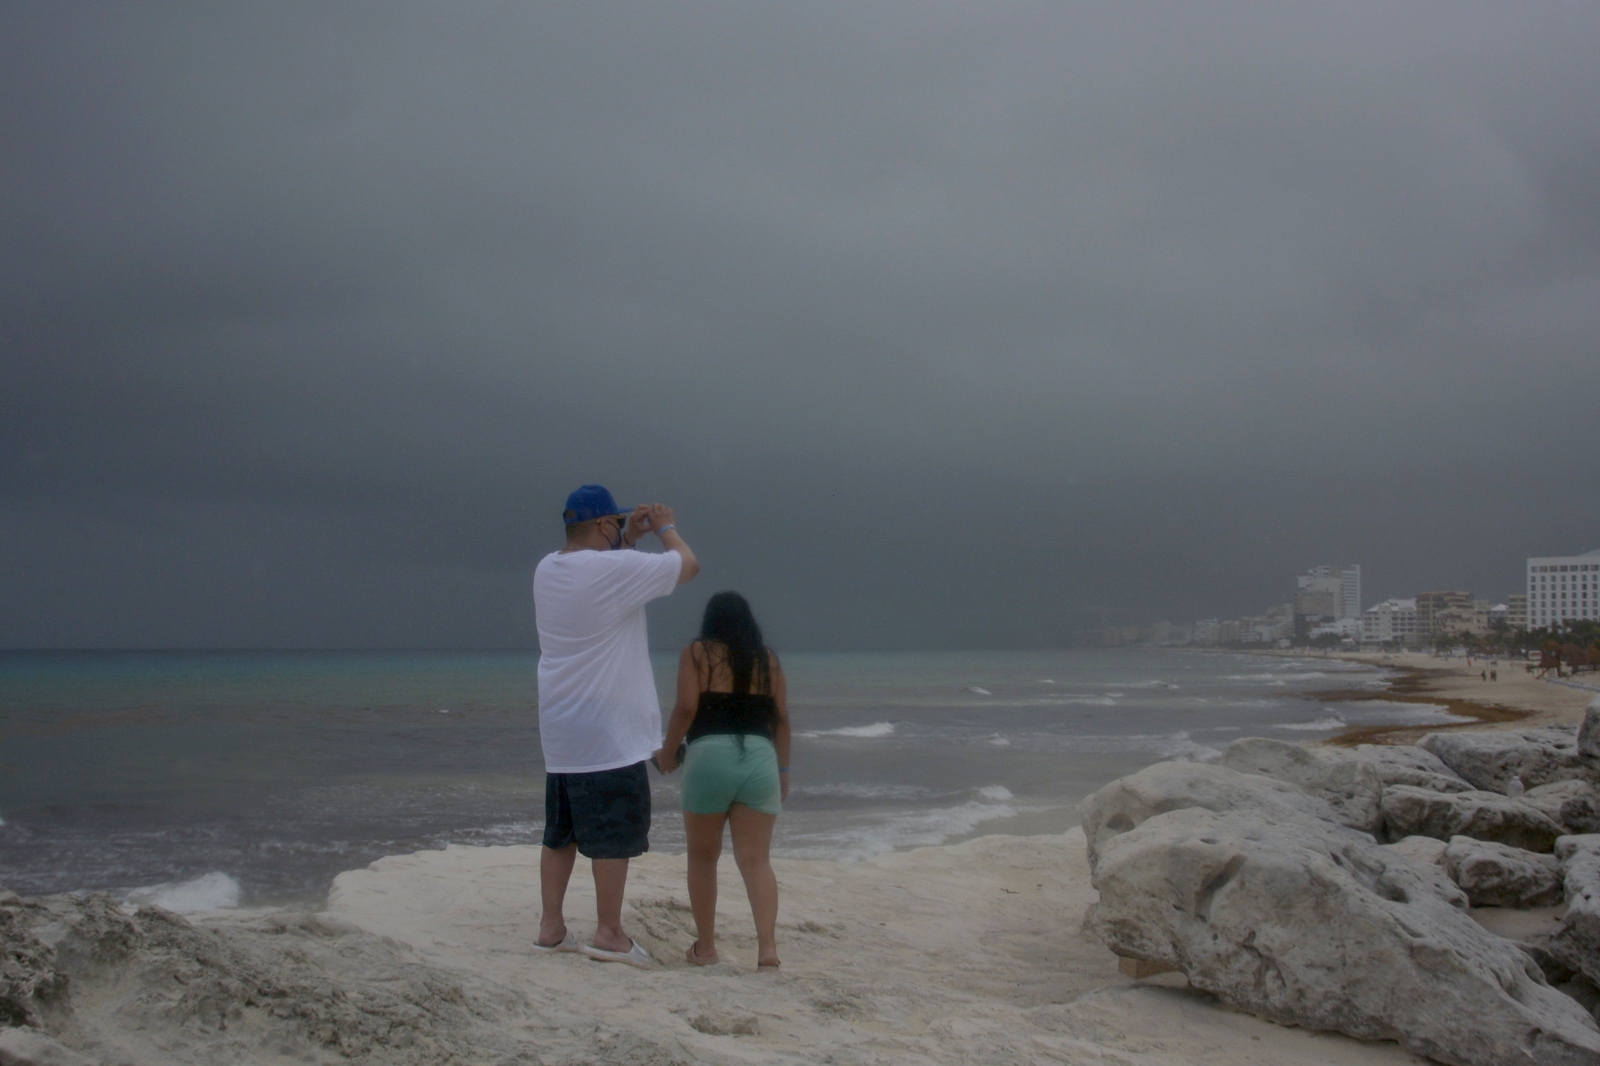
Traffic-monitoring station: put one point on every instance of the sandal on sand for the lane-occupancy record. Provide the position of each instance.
(697, 959)
(634, 956)
(568, 943)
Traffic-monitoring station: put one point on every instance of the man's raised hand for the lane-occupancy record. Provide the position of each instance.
(660, 517)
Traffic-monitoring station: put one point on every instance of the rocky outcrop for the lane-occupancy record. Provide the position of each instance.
(1171, 786)
(1409, 810)
(1492, 761)
(1280, 911)
(30, 1047)
(1351, 787)
(1426, 850)
(298, 986)
(1589, 731)
(1576, 943)
(30, 984)
(1406, 764)
(1575, 805)
(1494, 875)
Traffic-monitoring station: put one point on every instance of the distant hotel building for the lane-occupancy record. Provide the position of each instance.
(1323, 596)
(1442, 613)
(1563, 588)
(1517, 610)
(1350, 591)
(1390, 622)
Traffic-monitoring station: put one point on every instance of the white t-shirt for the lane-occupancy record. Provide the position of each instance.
(597, 695)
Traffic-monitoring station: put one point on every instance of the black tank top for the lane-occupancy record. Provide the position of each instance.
(729, 712)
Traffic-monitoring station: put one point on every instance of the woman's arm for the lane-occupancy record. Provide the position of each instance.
(781, 739)
(684, 709)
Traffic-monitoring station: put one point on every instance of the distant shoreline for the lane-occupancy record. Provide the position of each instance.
(1514, 699)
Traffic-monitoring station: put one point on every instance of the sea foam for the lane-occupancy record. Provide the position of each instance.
(1277, 678)
(1321, 725)
(885, 833)
(876, 729)
(215, 891)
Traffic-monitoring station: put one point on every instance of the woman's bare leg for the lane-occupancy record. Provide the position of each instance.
(752, 850)
(703, 832)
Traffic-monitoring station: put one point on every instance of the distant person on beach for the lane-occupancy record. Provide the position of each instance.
(733, 711)
(599, 717)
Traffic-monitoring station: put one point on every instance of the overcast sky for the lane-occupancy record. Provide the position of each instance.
(941, 325)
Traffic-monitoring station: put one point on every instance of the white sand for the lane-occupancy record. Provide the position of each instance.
(1543, 701)
(967, 953)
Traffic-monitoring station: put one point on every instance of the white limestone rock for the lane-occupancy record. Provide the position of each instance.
(1494, 875)
(1491, 760)
(1408, 810)
(1293, 917)
(1351, 787)
(153, 989)
(1575, 805)
(1427, 850)
(1407, 764)
(1576, 942)
(1171, 786)
(1589, 731)
(30, 1047)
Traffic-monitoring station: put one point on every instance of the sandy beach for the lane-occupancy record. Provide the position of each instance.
(1516, 699)
(957, 954)
(965, 953)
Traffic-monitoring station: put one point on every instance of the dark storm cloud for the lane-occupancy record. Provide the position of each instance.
(942, 324)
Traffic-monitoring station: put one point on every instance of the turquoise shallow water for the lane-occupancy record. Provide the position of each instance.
(258, 776)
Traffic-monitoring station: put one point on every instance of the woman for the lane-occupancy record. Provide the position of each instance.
(733, 710)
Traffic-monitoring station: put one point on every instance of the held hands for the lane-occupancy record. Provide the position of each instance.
(666, 761)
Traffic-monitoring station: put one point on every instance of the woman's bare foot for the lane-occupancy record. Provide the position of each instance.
(694, 956)
(768, 964)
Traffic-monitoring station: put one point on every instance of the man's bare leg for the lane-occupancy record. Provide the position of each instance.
(555, 870)
(610, 880)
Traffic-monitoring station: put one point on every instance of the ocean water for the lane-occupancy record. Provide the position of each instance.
(219, 779)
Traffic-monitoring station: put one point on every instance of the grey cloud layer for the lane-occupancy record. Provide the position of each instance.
(941, 322)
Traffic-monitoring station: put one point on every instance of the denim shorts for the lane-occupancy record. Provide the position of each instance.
(606, 813)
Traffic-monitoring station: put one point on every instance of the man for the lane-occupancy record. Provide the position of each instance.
(599, 718)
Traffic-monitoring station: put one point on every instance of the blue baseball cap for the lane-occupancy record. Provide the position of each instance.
(589, 502)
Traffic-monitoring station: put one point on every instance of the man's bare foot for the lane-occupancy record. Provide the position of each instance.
(607, 940)
(768, 963)
(695, 957)
(559, 943)
(551, 933)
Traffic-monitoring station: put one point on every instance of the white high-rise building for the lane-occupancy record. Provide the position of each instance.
(1390, 622)
(1326, 591)
(1563, 587)
(1350, 591)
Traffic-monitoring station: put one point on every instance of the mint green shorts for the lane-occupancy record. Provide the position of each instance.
(716, 775)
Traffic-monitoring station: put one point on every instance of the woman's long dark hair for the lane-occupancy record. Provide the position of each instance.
(728, 622)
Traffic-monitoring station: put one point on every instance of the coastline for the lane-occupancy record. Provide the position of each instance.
(957, 953)
(1516, 700)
